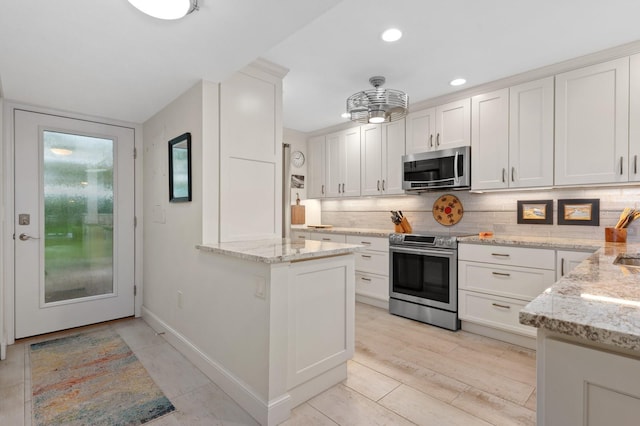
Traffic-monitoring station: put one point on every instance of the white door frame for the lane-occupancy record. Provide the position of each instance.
(7, 279)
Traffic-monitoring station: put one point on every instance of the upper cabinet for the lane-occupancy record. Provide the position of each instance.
(634, 118)
(315, 169)
(490, 140)
(512, 137)
(381, 152)
(531, 134)
(442, 127)
(342, 163)
(592, 118)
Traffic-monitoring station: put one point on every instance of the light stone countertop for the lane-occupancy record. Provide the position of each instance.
(536, 242)
(280, 250)
(368, 232)
(597, 301)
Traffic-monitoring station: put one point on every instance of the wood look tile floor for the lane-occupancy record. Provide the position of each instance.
(403, 373)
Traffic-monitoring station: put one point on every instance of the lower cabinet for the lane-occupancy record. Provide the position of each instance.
(583, 385)
(567, 260)
(372, 270)
(334, 238)
(496, 282)
(300, 235)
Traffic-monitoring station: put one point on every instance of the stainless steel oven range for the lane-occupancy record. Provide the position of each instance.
(423, 278)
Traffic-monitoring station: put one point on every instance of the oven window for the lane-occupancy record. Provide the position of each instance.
(422, 276)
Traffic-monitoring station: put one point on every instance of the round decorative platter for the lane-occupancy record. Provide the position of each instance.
(447, 210)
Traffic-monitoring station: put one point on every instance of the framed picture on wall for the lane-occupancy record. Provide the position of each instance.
(579, 211)
(536, 212)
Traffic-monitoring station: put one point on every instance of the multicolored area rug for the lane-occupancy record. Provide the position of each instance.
(92, 378)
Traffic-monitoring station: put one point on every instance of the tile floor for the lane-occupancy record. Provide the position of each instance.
(403, 373)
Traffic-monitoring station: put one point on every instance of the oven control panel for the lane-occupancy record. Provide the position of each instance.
(419, 240)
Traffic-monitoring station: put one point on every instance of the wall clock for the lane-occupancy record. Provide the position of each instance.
(297, 158)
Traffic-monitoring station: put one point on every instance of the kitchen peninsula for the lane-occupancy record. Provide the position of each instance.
(588, 350)
(288, 313)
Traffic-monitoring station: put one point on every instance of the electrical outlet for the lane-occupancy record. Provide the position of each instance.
(179, 299)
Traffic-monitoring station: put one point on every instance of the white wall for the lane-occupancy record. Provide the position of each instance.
(494, 212)
(298, 142)
(3, 333)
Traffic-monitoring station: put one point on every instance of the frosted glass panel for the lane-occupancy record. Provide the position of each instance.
(78, 216)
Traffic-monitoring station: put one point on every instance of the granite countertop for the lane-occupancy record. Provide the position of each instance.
(369, 232)
(280, 250)
(597, 301)
(554, 243)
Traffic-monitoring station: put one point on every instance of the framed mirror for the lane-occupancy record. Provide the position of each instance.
(180, 169)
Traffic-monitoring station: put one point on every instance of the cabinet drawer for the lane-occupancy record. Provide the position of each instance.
(508, 281)
(300, 235)
(374, 262)
(493, 311)
(372, 243)
(334, 238)
(507, 255)
(370, 285)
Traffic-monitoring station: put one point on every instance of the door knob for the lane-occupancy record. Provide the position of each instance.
(25, 237)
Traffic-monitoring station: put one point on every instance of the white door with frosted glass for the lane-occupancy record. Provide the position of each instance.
(74, 223)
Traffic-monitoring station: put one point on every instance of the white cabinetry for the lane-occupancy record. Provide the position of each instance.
(567, 260)
(316, 165)
(512, 137)
(592, 118)
(372, 270)
(490, 140)
(634, 118)
(334, 238)
(442, 127)
(251, 156)
(342, 163)
(381, 151)
(495, 282)
(531, 134)
(300, 235)
(586, 386)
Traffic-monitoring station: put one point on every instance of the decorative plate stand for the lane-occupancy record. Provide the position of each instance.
(447, 210)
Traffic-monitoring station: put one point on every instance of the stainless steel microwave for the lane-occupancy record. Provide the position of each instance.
(447, 168)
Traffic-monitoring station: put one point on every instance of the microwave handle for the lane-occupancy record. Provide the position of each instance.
(455, 168)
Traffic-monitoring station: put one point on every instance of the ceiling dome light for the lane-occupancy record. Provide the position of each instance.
(377, 105)
(457, 82)
(165, 9)
(391, 35)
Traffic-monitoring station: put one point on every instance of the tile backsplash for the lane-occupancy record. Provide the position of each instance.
(495, 211)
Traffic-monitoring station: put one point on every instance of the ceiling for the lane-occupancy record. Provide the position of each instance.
(104, 58)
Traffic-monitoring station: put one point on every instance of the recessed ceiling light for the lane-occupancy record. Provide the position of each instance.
(457, 82)
(345, 115)
(166, 9)
(392, 34)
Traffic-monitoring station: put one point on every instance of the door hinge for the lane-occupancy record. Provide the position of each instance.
(135, 221)
(135, 290)
(135, 153)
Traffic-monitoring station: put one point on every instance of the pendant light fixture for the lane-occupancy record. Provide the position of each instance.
(166, 9)
(377, 105)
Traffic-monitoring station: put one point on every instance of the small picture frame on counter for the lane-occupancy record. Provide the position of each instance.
(579, 211)
(535, 212)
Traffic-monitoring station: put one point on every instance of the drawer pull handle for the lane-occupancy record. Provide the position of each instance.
(326, 239)
(497, 305)
(502, 274)
(499, 254)
(365, 279)
(366, 255)
(365, 242)
(302, 237)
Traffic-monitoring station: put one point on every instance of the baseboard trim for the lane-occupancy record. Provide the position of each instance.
(384, 304)
(505, 336)
(272, 413)
(307, 390)
(3, 351)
